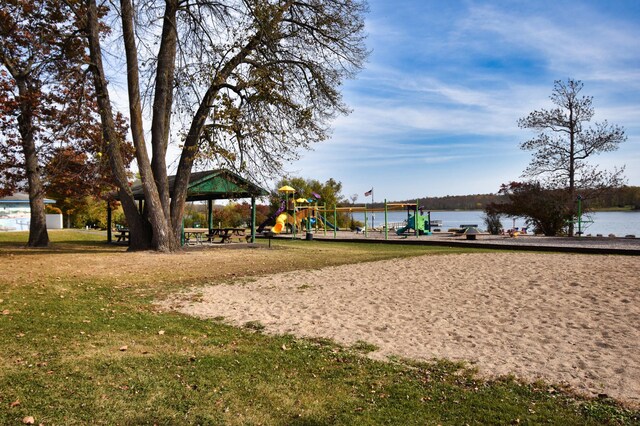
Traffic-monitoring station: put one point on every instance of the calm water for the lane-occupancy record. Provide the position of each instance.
(605, 223)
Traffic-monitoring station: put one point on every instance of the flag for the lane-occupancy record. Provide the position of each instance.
(369, 192)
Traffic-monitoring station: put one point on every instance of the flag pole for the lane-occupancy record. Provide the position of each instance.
(373, 215)
(366, 194)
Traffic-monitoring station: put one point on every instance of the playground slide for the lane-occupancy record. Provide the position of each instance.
(402, 230)
(284, 218)
(280, 222)
(329, 224)
(410, 225)
(283, 205)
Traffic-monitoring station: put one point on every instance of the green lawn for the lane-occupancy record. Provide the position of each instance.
(82, 343)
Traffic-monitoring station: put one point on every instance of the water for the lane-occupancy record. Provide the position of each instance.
(605, 223)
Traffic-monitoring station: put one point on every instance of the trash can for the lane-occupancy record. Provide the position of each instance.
(309, 236)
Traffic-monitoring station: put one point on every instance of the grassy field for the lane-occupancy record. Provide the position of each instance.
(83, 343)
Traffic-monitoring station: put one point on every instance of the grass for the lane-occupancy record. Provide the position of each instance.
(82, 343)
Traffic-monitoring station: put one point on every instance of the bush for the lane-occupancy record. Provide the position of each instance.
(547, 210)
(492, 221)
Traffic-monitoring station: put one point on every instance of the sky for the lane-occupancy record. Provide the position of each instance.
(435, 110)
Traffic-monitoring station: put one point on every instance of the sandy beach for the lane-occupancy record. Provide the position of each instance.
(565, 318)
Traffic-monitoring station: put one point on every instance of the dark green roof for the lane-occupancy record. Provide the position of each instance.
(217, 184)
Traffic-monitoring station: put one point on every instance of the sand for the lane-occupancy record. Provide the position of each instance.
(568, 319)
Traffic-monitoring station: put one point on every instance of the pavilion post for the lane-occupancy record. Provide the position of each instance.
(109, 237)
(210, 214)
(253, 219)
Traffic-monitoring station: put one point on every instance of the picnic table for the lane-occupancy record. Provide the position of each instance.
(227, 234)
(122, 235)
(194, 235)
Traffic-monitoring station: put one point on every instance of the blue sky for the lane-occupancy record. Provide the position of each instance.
(435, 110)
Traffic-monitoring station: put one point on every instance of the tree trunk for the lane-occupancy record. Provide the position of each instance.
(162, 102)
(572, 171)
(38, 235)
(162, 237)
(139, 229)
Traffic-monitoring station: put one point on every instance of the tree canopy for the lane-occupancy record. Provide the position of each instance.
(45, 101)
(564, 142)
(251, 82)
(329, 192)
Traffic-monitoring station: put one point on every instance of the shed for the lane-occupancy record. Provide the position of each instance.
(218, 184)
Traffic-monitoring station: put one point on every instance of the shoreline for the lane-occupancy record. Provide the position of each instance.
(593, 245)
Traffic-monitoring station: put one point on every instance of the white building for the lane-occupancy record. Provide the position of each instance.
(15, 213)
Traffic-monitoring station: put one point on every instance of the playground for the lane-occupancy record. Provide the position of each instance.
(304, 217)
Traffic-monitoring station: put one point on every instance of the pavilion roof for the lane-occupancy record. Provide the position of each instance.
(219, 184)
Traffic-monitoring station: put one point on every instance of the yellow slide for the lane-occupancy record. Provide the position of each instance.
(283, 218)
(280, 221)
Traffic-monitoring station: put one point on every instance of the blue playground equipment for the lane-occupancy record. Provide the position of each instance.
(326, 222)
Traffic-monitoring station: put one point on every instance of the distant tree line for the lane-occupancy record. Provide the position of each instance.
(456, 202)
(625, 197)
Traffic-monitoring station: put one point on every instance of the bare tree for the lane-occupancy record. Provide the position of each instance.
(253, 81)
(564, 143)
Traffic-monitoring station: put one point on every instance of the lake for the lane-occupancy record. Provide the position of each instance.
(605, 223)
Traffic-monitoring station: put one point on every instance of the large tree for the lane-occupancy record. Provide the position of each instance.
(564, 142)
(544, 209)
(252, 81)
(44, 101)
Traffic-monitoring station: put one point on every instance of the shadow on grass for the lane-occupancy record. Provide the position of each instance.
(68, 246)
